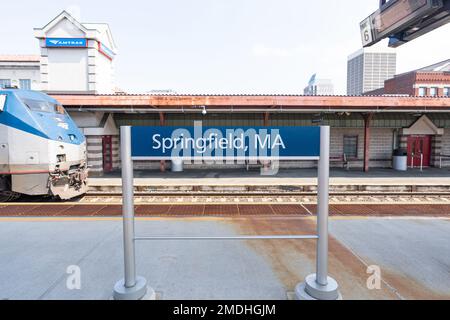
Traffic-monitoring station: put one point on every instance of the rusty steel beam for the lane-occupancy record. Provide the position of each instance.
(367, 132)
(162, 123)
(254, 101)
(266, 120)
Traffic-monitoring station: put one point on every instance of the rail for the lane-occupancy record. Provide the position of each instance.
(158, 238)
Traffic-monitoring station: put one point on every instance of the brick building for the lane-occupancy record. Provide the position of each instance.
(431, 81)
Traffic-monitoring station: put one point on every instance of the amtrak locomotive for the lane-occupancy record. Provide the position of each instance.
(42, 151)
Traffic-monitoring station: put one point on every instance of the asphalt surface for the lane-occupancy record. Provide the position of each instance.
(412, 254)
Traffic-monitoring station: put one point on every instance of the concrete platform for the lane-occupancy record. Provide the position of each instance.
(412, 254)
(301, 180)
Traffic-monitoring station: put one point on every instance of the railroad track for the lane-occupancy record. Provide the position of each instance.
(259, 193)
(236, 204)
(254, 198)
(272, 200)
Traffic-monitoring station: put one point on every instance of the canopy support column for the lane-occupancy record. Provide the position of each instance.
(368, 117)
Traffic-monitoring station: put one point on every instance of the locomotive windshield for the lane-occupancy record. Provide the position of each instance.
(43, 106)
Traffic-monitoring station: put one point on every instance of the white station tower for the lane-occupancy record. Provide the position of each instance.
(76, 57)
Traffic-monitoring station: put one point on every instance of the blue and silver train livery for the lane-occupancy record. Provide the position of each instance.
(42, 151)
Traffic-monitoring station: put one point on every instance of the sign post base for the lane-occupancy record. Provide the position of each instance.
(138, 292)
(311, 290)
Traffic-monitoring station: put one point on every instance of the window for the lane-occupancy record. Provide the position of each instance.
(5, 83)
(43, 106)
(25, 84)
(422, 91)
(433, 91)
(447, 92)
(351, 146)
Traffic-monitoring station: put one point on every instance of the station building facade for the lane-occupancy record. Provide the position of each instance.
(365, 129)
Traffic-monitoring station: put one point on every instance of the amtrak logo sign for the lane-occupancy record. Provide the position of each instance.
(66, 42)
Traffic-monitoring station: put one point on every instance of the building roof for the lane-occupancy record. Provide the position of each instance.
(315, 79)
(104, 30)
(97, 31)
(443, 66)
(373, 49)
(20, 58)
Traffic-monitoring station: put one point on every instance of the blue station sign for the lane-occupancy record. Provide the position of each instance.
(66, 42)
(225, 143)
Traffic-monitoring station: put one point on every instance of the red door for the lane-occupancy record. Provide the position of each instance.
(107, 153)
(418, 146)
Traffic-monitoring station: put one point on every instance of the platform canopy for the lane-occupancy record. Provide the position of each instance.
(252, 103)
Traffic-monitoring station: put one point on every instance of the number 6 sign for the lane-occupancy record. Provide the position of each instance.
(366, 32)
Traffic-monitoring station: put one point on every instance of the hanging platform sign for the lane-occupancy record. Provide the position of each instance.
(225, 143)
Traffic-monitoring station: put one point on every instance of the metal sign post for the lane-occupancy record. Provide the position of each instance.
(131, 287)
(319, 285)
(316, 286)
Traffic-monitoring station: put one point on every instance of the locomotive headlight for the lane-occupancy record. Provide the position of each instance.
(61, 158)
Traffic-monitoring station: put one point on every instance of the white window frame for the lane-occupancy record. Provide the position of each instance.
(23, 80)
(424, 91)
(434, 91)
(447, 94)
(6, 80)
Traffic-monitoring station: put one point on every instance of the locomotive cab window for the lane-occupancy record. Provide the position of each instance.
(44, 106)
(59, 109)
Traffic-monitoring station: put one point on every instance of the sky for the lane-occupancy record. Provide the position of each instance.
(222, 46)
